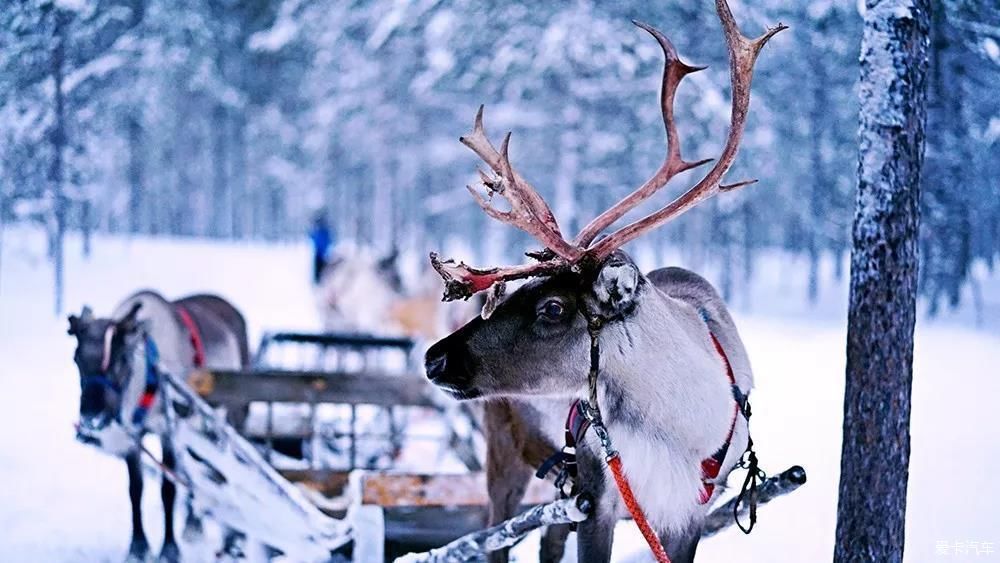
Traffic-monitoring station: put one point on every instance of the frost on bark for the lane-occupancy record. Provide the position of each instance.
(876, 443)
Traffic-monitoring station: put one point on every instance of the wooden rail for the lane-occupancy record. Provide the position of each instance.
(236, 389)
(337, 340)
(281, 386)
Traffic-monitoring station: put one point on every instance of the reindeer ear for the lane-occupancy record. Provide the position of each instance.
(616, 286)
(74, 325)
(129, 323)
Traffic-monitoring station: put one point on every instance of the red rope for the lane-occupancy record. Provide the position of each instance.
(615, 463)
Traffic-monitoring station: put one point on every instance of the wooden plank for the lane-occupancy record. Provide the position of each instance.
(329, 483)
(395, 489)
(281, 386)
(391, 489)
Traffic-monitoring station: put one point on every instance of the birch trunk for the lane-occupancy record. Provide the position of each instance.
(876, 445)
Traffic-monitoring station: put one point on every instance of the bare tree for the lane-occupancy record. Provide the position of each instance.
(874, 463)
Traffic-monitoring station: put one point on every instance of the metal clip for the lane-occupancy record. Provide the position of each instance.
(593, 416)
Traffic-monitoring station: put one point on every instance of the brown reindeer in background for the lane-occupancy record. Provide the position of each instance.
(674, 374)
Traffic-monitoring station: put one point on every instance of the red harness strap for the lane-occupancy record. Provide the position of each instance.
(192, 328)
(711, 466)
(577, 424)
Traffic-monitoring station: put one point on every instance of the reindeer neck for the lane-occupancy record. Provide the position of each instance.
(661, 378)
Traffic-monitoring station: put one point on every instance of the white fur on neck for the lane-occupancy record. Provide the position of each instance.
(672, 376)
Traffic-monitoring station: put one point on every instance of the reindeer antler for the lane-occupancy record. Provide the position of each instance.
(530, 213)
(674, 70)
(742, 56)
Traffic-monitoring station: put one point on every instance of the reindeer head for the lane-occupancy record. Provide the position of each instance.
(103, 358)
(536, 340)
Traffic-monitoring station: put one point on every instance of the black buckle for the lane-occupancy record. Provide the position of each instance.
(565, 481)
(742, 401)
(552, 461)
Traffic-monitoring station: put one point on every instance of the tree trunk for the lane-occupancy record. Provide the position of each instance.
(4, 200)
(946, 211)
(871, 512)
(566, 171)
(56, 172)
(86, 225)
(136, 203)
(820, 184)
(221, 215)
(238, 186)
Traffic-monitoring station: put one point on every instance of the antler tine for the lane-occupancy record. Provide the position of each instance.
(742, 55)
(462, 281)
(674, 70)
(528, 212)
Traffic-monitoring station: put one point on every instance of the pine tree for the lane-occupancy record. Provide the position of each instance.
(871, 513)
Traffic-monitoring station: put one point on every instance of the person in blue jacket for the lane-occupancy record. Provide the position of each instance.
(322, 241)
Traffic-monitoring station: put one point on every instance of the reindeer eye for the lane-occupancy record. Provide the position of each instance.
(552, 310)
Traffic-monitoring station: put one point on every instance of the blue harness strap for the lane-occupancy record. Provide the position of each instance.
(151, 385)
(103, 381)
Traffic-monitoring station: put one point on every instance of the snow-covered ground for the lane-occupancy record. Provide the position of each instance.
(62, 501)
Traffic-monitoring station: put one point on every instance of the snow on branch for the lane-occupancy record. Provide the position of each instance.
(778, 485)
(472, 546)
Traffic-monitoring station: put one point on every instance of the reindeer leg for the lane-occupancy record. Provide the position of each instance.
(139, 548)
(681, 547)
(168, 493)
(507, 475)
(596, 534)
(554, 543)
(193, 529)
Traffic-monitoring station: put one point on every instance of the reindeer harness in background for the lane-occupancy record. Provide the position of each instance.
(152, 370)
(586, 252)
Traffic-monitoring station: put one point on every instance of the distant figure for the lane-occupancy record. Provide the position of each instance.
(322, 241)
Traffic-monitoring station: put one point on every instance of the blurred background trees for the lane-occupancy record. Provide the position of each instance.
(241, 119)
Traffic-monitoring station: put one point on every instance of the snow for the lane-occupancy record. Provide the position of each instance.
(72, 5)
(97, 68)
(66, 502)
(274, 38)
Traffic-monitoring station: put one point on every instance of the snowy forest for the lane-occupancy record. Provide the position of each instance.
(203, 157)
(242, 120)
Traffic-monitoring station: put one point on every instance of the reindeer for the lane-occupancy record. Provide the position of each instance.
(360, 294)
(356, 292)
(118, 358)
(667, 376)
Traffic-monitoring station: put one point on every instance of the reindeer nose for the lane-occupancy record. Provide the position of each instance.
(436, 366)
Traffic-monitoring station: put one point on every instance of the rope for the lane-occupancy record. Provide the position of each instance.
(592, 412)
(749, 490)
(594, 325)
(615, 463)
(170, 473)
